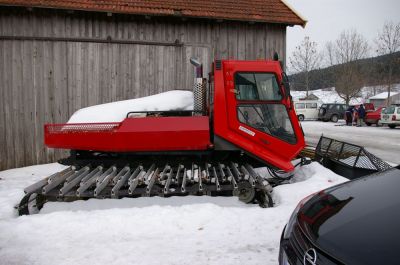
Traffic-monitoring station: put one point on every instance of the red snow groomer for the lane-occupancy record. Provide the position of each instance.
(243, 117)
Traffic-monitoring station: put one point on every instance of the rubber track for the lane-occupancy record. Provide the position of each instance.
(136, 181)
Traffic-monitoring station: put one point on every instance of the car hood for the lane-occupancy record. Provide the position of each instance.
(357, 222)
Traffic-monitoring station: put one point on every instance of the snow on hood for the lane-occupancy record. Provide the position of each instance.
(116, 111)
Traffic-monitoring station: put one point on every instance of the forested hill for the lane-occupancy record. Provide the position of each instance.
(374, 72)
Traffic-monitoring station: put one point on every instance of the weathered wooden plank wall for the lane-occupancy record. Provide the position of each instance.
(46, 80)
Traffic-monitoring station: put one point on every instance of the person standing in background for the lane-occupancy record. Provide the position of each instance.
(355, 116)
(361, 116)
(349, 115)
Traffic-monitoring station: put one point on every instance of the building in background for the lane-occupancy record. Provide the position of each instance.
(59, 56)
(380, 100)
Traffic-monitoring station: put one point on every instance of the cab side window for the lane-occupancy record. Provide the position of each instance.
(257, 86)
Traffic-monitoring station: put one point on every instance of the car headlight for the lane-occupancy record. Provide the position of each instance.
(293, 217)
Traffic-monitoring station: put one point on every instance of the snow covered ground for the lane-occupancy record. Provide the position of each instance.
(178, 230)
(380, 141)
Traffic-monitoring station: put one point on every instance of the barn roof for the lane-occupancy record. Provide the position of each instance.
(270, 11)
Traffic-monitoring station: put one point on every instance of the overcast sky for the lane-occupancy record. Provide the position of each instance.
(328, 18)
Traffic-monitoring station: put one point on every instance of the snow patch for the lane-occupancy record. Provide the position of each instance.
(178, 230)
(117, 111)
(383, 95)
(326, 96)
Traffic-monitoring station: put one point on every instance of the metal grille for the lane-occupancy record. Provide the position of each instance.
(300, 244)
(377, 162)
(348, 154)
(297, 241)
(81, 127)
(199, 94)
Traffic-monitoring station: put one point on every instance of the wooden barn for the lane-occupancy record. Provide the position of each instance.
(59, 56)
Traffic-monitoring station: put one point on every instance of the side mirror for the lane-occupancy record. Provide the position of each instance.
(286, 84)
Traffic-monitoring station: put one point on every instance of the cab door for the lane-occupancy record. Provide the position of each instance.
(259, 107)
(260, 119)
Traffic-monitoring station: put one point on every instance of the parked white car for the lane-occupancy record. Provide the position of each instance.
(306, 109)
(391, 116)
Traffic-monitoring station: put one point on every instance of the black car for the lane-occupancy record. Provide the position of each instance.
(357, 222)
(331, 112)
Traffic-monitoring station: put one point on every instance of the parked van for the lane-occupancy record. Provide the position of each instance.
(306, 109)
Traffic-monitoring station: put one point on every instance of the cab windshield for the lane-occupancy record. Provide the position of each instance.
(272, 119)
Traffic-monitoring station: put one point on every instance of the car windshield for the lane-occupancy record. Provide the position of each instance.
(272, 119)
(323, 106)
(257, 86)
(389, 110)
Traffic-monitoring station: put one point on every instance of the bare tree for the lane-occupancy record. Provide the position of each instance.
(344, 54)
(329, 47)
(388, 42)
(304, 59)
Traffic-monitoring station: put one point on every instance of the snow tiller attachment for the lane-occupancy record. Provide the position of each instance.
(243, 119)
(346, 159)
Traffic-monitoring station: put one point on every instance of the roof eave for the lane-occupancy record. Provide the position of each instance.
(160, 15)
(296, 13)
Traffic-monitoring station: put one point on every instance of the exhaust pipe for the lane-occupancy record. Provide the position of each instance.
(199, 89)
(199, 67)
